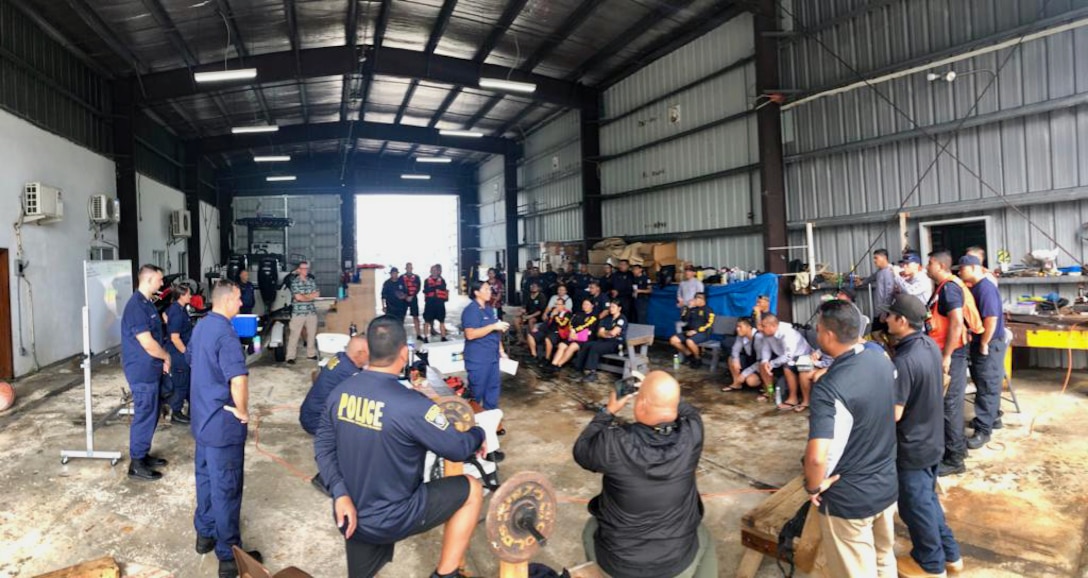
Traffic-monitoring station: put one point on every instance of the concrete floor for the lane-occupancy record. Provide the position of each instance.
(1019, 511)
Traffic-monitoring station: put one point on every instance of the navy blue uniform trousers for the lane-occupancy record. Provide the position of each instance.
(955, 444)
(219, 476)
(179, 377)
(145, 416)
(933, 543)
(486, 383)
(988, 373)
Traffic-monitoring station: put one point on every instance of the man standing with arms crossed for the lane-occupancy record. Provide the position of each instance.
(303, 313)
(919, 385)
(220, 412)
(144, 361)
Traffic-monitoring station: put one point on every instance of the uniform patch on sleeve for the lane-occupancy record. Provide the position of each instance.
(333, 362)
(436, 417)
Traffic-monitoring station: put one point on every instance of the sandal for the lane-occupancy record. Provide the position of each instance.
(786, 406)
(800, 408)
(732, 388)
(762, 398)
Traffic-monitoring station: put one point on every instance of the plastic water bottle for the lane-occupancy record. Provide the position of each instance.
(256, 344)
(676, 361)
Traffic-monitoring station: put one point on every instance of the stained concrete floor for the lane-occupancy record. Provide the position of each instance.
(1019, 511)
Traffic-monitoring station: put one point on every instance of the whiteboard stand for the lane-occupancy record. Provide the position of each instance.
(88, 360)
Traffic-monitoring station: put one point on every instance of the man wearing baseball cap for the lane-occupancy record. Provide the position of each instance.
(987, 353)
(911, 280)
(919, 416)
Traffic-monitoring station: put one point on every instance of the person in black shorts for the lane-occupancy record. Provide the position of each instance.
(435, 296)
(698, 321)
(412, 287)
(395, 295)
(370, 447)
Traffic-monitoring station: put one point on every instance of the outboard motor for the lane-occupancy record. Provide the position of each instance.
(268, 280)
(235, 265)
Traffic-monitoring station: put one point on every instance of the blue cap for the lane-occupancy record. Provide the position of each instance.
(910, 258)
(967, 260)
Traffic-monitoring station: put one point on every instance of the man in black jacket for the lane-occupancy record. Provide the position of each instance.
(646, 522)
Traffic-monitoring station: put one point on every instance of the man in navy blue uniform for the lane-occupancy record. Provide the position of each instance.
(249, 296)
(339, 367)
(145, 361)
(178, 331)
(370, 447)
(987, 350)
(220, 412)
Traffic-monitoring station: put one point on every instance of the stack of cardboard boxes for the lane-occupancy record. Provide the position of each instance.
(360, 307)
(652, 256)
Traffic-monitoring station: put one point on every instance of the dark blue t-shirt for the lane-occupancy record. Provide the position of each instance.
(919, 388)
(988, 301)
(608, 323)
(216, 356)
(177, 321)
(950, 298)
(642, 283)
(249, 298)
(336, 370)
(371, 444)
(140, 316)
(853, 406)
(485, 349)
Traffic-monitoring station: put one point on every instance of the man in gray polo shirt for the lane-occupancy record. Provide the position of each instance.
(850, 457)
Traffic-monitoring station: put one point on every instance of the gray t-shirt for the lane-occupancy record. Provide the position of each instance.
(688, 289)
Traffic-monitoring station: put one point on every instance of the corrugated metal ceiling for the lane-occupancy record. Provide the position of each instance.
(165, 34)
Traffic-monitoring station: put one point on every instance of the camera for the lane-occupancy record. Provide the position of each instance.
(629, 385)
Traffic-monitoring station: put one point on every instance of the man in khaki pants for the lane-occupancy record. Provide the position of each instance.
(850, 470)
(303, 313)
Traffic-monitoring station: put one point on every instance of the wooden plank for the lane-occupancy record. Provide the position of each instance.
(760, 525)
(749, 564)
(104, 567)
(586, 570)
(513, 569)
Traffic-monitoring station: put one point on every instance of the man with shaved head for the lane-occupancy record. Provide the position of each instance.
(647, 520)
(338, 368)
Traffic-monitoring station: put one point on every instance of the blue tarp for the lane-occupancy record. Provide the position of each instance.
(732, 300)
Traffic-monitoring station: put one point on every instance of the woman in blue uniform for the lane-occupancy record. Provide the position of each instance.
(178, 330)
(483, 345)
(581, 331)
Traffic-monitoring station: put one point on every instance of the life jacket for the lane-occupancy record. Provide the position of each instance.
(938, 324)
(435, 289)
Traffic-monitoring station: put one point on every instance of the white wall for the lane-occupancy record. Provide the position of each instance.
(156, 202)
(209, 240)
(56, 251)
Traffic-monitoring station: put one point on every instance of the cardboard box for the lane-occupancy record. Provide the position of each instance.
(664, 251)
(598, 256)
(596, 269)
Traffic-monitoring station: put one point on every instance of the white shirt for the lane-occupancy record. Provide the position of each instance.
(919, 286)
(785, 346)
(555, 299)
(750, 346)
(688, 289)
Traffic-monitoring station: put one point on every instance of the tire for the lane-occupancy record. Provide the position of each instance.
(280, 353)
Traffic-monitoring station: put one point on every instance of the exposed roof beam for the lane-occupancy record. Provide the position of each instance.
(59, 38)
(517, 118)
(432, 43)
(351, 33)
(368, 76)
(330, 131)
(225, 10)
(706, 21)
(106, 34)
(292, 33)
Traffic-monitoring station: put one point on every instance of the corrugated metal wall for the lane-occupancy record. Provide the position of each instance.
(315, 233)
(852, 158)
(681, 150)
(492, 211)
(550, 185)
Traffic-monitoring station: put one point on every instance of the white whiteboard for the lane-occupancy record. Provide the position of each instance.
(107, 287)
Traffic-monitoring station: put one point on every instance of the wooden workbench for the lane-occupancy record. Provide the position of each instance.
(1050, 331)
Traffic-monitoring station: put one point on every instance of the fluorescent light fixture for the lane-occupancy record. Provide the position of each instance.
(416, 177)
(254, 129)
(280, 178)
(436, 160)
(507, 85)
(272, 159)
(225, 75)
(464, 133)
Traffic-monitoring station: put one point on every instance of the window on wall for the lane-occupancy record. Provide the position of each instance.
(955, 235)
(159, 259)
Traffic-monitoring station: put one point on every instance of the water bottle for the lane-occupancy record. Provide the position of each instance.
(676, 361)
(769, 390)
(353, 330)
(457, 357)
(256, 344)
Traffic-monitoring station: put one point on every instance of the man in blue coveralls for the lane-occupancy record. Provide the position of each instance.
(178, 331)
(371, 445)
(339, 367)
(220, 411)
(145, 361)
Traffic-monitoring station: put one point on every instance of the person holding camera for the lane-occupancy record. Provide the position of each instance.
(647, 520)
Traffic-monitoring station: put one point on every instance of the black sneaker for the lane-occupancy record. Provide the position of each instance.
(456, 574)
(696, 362)
(137, 469)
(180, 418)
(154, 461)
(229, 568)
(290, 362)
(977, 441)
(590, 377)
(950, 469)
(424, 340)
(444, 339)
(312, 357)
(204, 544)
(496, 456)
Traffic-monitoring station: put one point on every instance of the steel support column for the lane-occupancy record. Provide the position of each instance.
(510, 180)
(124, 159)
(190, 185)
(592, 225)
(224, 202)
(769, 123)
(347, 222)
(470, 231)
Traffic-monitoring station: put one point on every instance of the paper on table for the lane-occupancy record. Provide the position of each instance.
(508, 366)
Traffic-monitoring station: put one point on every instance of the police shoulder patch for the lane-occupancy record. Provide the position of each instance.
(436, 417)
(333, 362)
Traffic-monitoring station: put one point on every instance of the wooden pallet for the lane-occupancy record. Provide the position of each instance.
(761, 525)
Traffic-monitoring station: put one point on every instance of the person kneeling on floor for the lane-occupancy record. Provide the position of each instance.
(339, 367)
(370, 447)
(647, 520)
(698, 320)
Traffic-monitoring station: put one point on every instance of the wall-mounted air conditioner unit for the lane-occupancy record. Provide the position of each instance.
(42, 202)
(180, 227)
(100, 208)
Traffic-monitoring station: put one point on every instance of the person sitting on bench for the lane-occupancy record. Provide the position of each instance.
(698, 321)
(744, 358)
(782, 346)
(531, 313)
(647, 520)
(554, 330)
(611, 332)
(581, 331)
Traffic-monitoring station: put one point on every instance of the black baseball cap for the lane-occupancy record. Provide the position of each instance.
(907, 306)
(910, 258)
(968, 260)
